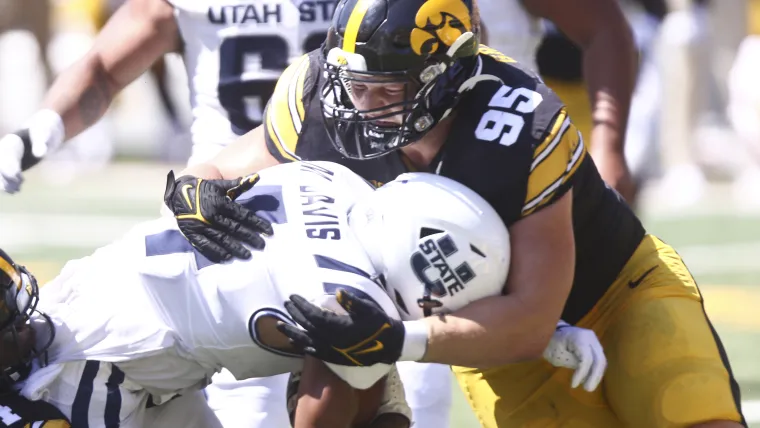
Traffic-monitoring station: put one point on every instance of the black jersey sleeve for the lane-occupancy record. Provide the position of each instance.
(19, 412)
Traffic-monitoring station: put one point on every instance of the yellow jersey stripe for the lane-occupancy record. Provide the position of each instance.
(277, 140)
(493, 53)
(544, 152)
(353, 24)
(541, 199)
(555, 167)
(559, 122)
(55, 423)
(284, 117)
(553, 162)
(299, 89)
(293, 101)
(578, 155)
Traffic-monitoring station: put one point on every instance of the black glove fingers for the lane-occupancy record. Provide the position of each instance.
(231, 246)
(246, 217)
(210, 249)
(298, 316)
(297, 337)
(236, 230)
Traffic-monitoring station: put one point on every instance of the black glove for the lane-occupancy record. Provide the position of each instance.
(210, 219)
(364, 337)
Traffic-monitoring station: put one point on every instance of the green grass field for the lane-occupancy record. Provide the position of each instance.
(50, 223)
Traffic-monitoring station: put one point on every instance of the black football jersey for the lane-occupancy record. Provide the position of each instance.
(18, 412)
(511, 141)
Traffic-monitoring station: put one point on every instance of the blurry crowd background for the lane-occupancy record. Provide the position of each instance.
(694, 116)
(693, 142)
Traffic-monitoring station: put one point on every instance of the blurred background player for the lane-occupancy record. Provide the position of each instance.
(744, 107)
(560, 60)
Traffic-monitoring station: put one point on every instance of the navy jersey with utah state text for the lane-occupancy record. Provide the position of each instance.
(511, 141)
(19, 412)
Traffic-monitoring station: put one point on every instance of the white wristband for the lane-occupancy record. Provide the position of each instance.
(46, 132)
(415, 340)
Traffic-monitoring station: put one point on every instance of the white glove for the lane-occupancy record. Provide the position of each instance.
(43, 134)
(578, 349)
(11, 153)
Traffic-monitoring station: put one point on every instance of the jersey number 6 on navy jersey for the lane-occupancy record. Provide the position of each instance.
(242, 96)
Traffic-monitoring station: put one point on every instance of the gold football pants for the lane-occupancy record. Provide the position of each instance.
(666, 364)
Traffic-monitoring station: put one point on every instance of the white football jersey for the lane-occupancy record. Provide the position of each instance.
(512, 30)
(234, 52)
(170, 318)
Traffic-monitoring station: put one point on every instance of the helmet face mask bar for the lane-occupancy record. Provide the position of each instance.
(371, 126)
(395, 44)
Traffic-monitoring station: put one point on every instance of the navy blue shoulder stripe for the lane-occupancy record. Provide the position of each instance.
(330, 263)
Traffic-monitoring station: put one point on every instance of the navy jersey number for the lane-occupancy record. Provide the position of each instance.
(243, 98)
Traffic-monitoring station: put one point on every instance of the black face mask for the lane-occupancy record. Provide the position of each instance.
(357, 134)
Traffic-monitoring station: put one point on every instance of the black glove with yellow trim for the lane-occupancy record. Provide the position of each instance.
(211, 220)
(366, 336)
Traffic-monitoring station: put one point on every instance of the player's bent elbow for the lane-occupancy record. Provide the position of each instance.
(537, 346)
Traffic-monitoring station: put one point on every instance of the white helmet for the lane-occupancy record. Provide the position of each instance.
(438, 244)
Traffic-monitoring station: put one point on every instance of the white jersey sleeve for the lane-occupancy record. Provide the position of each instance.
(234, 52)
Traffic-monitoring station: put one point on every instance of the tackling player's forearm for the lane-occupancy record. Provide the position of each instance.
(516, 326)
(489, 332)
